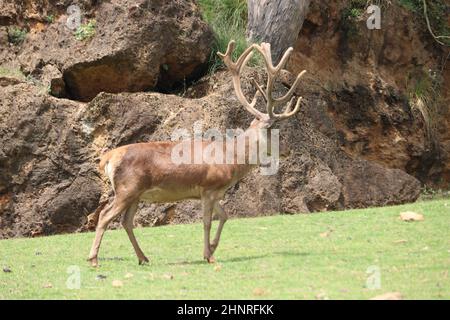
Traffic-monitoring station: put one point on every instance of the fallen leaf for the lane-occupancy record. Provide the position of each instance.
(217, 267)
(117, 284)
(326, 234)
(322, 296)
(168, 276)
(259, 291)
(411, 216)
(129, 275)
(389, 296)
(401, 241)
(47, 286)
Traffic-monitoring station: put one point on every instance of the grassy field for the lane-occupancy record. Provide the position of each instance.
(353, 254)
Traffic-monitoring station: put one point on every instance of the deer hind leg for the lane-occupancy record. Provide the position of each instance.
(106, 216)
(207, 206)
(222, 219)
(127, 223)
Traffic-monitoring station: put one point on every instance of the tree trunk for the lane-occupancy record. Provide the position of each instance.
(277, 22)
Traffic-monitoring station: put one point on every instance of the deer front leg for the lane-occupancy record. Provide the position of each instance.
(207, 206)
(222, 219)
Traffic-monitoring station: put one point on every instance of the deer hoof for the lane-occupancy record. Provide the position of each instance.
(143, 261)
(93, 262)
(211, 260)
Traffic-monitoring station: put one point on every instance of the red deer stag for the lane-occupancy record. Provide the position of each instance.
(146, 171)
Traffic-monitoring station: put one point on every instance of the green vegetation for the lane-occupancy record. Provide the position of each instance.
(326, 255)
(50, 18)
(437, 15)
(86, 30)
(19, 75)
(423, 89)
(228, 19)
(429, 193)
(351, 15)
(16, 35)
(12, 73)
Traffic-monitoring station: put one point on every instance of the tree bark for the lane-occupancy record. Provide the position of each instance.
(277, 22)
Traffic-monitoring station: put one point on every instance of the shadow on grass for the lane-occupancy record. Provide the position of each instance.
(245, 258)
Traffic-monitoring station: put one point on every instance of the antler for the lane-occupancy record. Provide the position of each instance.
(235, 69)
(272, 73)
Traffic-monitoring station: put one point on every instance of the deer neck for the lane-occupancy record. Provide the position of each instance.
(257, 142)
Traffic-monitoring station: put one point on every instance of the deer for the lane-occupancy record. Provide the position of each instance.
(145, 171)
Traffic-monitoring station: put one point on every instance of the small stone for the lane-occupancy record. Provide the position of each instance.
(259, 291)
(47, 286)
(389, 296)
(7, 270)
(411, 216)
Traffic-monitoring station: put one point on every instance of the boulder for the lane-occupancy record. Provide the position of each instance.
(119, 46)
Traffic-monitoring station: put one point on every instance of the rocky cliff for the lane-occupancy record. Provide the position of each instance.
(67, 97)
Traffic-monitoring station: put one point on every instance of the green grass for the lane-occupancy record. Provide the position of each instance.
(278, 257)
(16, 35)
(86, 30)
(228, 19)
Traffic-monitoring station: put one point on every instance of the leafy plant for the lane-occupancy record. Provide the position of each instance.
(86, 30)
(424, 94)
(50, 18)
(228, 19)
(435, 17)
(16, 35)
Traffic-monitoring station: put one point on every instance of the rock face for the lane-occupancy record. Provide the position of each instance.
(127, 46)
(50, 183)
(47, 181)
(377, 81)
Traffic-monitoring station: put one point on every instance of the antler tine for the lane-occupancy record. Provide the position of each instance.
(272, 72)
(284, 99)
(260, 89)
(265, 51)
(288, 113)
(284, 59)
(235, 69)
